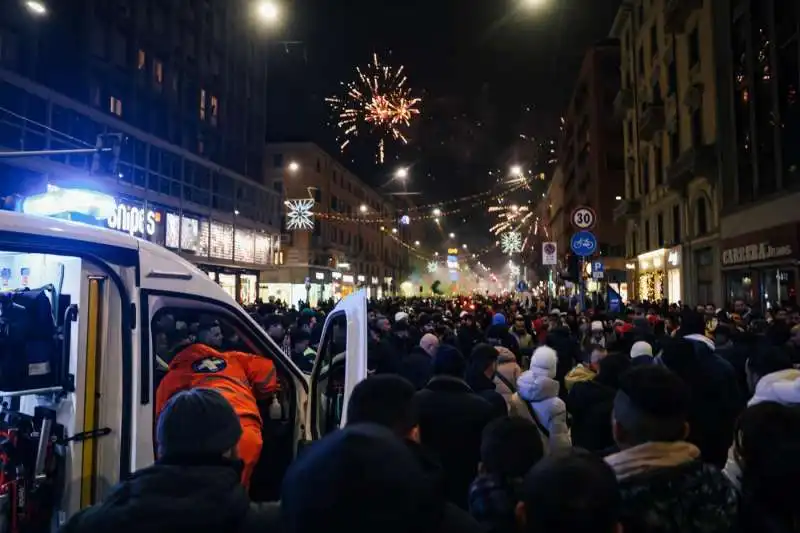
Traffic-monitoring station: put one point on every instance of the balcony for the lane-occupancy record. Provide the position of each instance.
(623, 102)
(676, 13)
(626, 209)
(692, 163)
(651, 121)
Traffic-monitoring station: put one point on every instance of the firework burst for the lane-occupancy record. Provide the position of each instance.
(507, 216)
(379, 101)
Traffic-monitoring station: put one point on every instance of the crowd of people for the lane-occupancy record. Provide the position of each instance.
(481, 415)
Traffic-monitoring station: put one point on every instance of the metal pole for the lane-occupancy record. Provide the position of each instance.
(41, 153)
(582, 284)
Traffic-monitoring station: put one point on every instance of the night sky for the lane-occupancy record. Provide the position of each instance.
(488, 71)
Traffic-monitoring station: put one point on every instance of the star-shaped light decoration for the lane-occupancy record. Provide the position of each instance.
(299, 214)
(433, 266)
(511, 242)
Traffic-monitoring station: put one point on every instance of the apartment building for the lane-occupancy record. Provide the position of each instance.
(358, 239)
(668, 105)
(758, 48)
(185, 84)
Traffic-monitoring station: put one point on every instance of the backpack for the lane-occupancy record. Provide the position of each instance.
(28, 341)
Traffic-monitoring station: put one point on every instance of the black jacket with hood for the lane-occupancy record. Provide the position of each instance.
(165, 498)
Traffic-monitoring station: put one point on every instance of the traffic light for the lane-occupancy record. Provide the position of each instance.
(106, 159)
(573, 271)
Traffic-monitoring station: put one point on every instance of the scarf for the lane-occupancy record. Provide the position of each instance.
(651, 456)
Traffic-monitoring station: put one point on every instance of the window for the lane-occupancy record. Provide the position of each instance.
(158, 72)
(674, 146)
(202, 104)
(697, 128)
(702, 216)
(764, 101)
(743, 123)
(645, 175)
(141, 60)
(672, 77)
(788, 78)
(277, 160)
(653, 40)
(634, 244)
(647, 235)
(676, 224)
(115, 105)
(224, 329)
(658, 157)
(214, 110)
(119, 48)
(319, 166)
(694, 47)
(660, 229)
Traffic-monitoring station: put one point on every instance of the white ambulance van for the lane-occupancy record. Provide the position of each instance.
(83, 420)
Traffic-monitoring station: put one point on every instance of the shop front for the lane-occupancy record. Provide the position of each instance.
(658, 275)
(231, 254)
(761, 267)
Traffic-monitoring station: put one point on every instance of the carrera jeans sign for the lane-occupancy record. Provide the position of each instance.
(754, 253)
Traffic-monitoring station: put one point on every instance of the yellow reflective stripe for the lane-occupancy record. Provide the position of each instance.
(91, 376)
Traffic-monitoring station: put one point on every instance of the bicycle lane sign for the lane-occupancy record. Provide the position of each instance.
(583, 243)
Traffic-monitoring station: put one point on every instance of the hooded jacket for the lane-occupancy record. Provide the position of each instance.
(541, 393)
(451, 421)
(590, 403)
(508, 368)
(168, 498)
(716, 399)
(666, 489)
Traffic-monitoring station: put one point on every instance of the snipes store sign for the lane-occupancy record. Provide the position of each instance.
(754, 253)
(136, 221)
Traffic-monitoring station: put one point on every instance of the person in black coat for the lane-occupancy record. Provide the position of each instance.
(452, 417)
(389, 402)
(417, 365)
(197, 432)
(591, 403)
(716, 400)
(569, 354)
(481, 370)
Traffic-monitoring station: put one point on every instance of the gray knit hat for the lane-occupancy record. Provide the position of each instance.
(197, 422)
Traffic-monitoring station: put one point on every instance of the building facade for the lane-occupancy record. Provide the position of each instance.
(358, 238)
(161, 76)
(758, 48)
(591, 157)
(668, 105)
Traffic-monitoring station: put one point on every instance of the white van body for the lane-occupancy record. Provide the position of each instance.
(119, 283)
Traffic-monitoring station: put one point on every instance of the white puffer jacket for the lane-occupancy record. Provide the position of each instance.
(541, 393)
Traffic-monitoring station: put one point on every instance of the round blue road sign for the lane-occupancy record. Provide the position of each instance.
(583, 243)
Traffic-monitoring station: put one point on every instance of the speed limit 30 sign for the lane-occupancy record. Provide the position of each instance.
(584, 217)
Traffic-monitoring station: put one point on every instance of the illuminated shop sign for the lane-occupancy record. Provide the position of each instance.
(134, 220)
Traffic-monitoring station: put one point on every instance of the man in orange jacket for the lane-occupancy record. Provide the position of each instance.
(242, 378)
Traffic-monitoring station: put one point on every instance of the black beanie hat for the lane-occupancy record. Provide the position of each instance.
(197, 422)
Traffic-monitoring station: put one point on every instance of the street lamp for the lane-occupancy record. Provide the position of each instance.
(618, 198)
(363, 208)
(437, 212)
(535, 3)
(416, 243)
(516, 170)
(402, 173)
(452, 235)
(268, 11)
(294, 166)
(464, 246)
(36, 7)
(394, 230)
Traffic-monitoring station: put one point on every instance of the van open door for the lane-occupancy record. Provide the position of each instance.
(340, 364)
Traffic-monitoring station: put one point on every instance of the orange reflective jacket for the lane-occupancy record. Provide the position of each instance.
(240, 377)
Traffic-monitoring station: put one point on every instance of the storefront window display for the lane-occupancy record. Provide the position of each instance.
(228, 283)
(248, 290)
(761, 267)
(659, 276)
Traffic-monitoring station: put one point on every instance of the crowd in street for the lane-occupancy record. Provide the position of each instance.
(482, 415)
